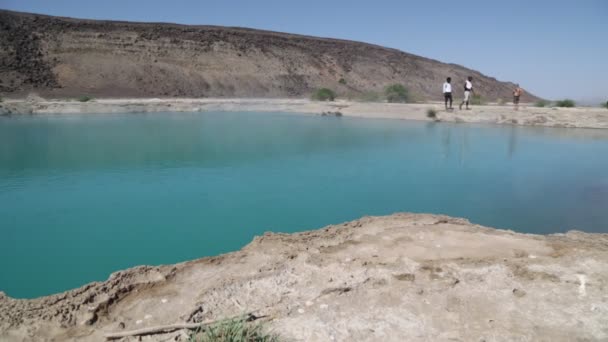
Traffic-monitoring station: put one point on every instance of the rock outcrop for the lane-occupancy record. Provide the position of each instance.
(405, 277)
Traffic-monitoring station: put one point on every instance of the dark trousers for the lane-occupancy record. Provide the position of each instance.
(447, 96)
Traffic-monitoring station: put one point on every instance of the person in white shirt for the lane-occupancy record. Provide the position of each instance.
(447, 92)
(468, 90)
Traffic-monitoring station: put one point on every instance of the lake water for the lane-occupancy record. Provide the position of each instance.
(84, 196)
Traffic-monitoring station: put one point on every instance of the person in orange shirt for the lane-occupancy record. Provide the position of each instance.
(516, 94)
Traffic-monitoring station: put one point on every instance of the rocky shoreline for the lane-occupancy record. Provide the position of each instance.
(404, 277)
(583, 117)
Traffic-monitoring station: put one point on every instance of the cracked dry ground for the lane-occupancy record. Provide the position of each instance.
(404, 277)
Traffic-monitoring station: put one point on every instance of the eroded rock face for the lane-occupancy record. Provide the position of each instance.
(402, 277)
(24, 58)
(84, 306)
(70, 57)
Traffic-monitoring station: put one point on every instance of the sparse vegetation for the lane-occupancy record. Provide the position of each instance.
(323, 94)
(431, 113)
(396, 93)
(565, 103)
(542, 103)
(85, 98)
(342, 81)
(477, 99)
(605, 104)
(236, 330)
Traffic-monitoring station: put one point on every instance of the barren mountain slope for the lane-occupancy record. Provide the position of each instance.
(56, 56)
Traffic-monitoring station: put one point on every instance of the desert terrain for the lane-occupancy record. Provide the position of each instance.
(66, 57)
(404, 277)
(528, 114)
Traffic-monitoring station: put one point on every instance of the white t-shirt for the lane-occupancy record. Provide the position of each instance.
(447, 88)
(468, 85)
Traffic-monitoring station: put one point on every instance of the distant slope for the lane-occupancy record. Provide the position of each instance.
(56, 56)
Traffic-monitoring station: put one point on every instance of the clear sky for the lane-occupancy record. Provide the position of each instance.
(553, 48)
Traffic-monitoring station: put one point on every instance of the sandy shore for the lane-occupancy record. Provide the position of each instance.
(584, 117)
(404, 277)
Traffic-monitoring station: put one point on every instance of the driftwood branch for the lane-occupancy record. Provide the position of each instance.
(173, 327)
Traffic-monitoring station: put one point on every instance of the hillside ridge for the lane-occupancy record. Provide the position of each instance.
(68, 57)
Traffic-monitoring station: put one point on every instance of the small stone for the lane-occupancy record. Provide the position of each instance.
(301, 311)
(405, 276)
(519, 293)
(89, 318)
(309, 303)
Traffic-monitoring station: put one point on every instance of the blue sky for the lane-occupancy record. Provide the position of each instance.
(555, 49)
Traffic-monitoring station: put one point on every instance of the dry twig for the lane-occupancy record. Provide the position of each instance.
(173, 327)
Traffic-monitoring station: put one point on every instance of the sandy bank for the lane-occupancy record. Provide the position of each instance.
(405, 277)
(584, 117)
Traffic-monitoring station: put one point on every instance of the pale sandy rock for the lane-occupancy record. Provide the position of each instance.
(480, 284)
(583, 117)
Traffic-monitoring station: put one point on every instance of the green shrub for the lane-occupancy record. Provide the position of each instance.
(323, 94)
(431, 113)
(542, 103)
(396, 93)
(85, 98)
(236, 330)
(605, 104)
(342, 81)
(476, 99)
(565, 103)
(370, 96)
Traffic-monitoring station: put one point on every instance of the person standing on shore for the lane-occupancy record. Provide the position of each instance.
(447, 92)
(516, 94)
(468, 90)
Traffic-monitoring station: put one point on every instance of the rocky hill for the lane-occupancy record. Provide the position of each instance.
(64, 57)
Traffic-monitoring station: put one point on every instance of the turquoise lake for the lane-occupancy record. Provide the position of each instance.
(82, 196)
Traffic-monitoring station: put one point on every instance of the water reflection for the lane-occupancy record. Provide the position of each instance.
(512, 142)
(204, 140)
(455, 138)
